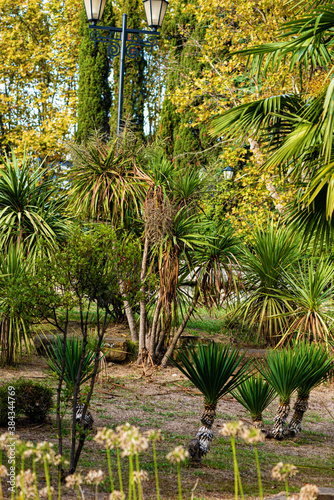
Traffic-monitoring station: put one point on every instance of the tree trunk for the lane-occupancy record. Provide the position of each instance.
(179, 332)
(278, 430)
(200, 445)
(300, 408)
(258, 423)
(142, 323)
(129, 315)
(154, 328)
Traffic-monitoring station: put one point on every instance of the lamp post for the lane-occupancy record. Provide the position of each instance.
(228, 173)
(125, 41)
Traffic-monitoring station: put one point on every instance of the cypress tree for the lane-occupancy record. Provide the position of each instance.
(95, 97)
(175, 128)
(134, 92)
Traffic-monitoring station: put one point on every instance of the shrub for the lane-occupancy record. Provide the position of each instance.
(32, 399)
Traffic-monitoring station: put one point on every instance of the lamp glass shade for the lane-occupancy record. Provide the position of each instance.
(155, 11)
(94, 10)
(228, 173)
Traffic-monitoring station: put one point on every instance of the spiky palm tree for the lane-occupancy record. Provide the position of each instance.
(319, 366)
(273, 251)
(310, 289)
(14, 265)
(215, 370)
(284, 372)
(255, 394)
(106, 183)
(32, 208)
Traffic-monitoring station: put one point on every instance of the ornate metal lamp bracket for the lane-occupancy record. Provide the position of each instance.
(113, 38)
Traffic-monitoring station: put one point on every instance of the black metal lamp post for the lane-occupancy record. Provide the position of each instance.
(124, 41)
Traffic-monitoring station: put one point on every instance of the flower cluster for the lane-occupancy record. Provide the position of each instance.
(95, 477)
(26, 482)
(141, 476)
(234, 429)
(73, 480)
(131, 441)
(107, 437)
(283, 471)
(154, 435)
(309, 492)
(179, 454)
(252, 435)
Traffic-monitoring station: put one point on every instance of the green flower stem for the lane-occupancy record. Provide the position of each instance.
(35, 476)
(156, 469)
(235, 464)
(240, 486)
(112, 487)
(119, 471)
(22, 472)
(286, 487)
(78, 491)
(179, 480)
(258, 471)
(47, 475)
(132, 485)
(140, 491)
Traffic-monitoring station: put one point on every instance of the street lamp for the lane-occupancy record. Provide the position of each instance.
(228, 173)
(124, 41)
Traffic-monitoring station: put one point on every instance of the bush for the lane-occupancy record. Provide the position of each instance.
(33, 399)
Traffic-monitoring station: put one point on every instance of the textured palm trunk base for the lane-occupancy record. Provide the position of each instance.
(258, 423)
(278, 430)
(295, 424)
(200, 445)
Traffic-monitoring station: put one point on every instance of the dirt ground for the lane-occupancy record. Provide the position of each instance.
(154, 398)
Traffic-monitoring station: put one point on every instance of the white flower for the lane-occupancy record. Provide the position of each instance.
(143, 476)
(232, 429)
(43, 493)
(179, 454)
(282, 471)
(309, 492)
(252, 435)
(95, 476)
(130, 440)
(3, 471)
(73, 480)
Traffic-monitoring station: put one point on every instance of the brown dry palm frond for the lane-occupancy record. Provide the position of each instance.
(106, 182)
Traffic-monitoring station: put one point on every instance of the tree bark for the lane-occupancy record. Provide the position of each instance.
(129, 315)
(278, 430)
(142, 323)
(300, 407)
(200, 446)
(179, 332)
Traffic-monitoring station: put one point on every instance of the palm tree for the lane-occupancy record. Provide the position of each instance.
(310, 290)
(319, 367)
(32, 207)
(215, 370)
(284, 372)
(106, 183)
(255, 394)
(274, 250)
(298, 132)
(14, 265)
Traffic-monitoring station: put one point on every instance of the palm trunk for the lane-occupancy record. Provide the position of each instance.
(258, 423)
(278, 430)
(300, 408)
(200, 445)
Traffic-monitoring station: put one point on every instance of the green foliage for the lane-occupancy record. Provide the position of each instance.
(105, 181)
(272, 254)
(309, 290)
(255, 394)
(214, 369)
(285, 372)
(319, 366)
(73, 353)
(32, 211)
(33, 399)
(14, 326)
(94, 94)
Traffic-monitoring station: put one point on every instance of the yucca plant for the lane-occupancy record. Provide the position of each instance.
(32, 207)
(274, 250)
(310, 288)
(255, 394)
(14, 327)
(72, 360)
(284, 372)
(215, 370)
(319, 365)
